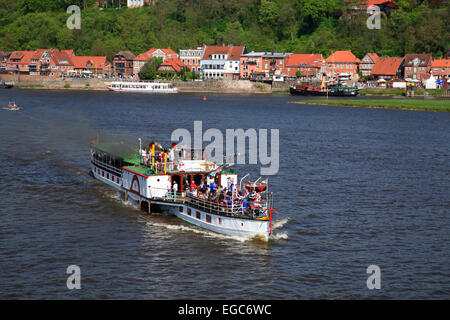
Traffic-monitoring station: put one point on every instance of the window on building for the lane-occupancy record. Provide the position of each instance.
(198, 215)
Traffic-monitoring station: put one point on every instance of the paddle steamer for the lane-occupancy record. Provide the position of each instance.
(162, 178)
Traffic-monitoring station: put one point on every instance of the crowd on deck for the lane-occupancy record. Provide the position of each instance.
(232, 195)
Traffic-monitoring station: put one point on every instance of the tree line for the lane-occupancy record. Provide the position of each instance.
(300, 26)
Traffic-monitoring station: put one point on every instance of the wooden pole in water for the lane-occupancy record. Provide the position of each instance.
(149, 211)
(126, 195)
(140, 202)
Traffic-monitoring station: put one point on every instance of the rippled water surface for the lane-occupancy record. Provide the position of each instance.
(355, 187)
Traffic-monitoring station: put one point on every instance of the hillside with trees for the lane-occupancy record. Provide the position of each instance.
(300, 26)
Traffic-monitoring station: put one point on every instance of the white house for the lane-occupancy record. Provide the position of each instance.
(221, 62)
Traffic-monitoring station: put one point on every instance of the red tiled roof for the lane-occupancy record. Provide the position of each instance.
(368, 3)
(55, 55)
(175, 63)
(387, 66)
(148, 54)
(342, 56)
(441, 63)
(97, 62)
(126, 54)
(233, 52)
(424, 59)
(373, 56)
(25, 57)
(298, 59)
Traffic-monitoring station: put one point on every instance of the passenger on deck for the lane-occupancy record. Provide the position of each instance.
(175, 189)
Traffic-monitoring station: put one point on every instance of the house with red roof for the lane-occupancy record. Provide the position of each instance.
(417, 65)
(41, 62)
(170, 67)
(388, 68)
(311, 66)
(97, 66)
(441, 68)
(362, 5)
(164, 54)
(367, 63)
(342, 62)
(18, 62)
(221, 62)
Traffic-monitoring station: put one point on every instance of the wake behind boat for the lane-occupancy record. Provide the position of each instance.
(142, 86)
(181, 181)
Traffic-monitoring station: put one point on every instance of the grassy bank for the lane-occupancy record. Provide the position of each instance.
(398, 92)
(403, 104)
(29, 86)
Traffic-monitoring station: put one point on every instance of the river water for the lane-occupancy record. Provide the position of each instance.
(356, 187)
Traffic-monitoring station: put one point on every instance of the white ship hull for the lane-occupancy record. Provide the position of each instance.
(142, 86)
(174, 90)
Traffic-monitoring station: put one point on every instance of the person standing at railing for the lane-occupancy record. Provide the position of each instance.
(175, 189)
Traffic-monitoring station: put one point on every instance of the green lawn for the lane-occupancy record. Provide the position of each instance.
(405, 104)
(397, 92)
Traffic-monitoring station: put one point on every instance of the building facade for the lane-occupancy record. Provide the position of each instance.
(192, 57)
(123, 64)
(441, 68)
(141, 59)
(97, 66)
(367, 63)
(41, 62)
(388, 68)
(221, 62)
(417, 65)
(262, 65)
(342, 62)
(310, 66)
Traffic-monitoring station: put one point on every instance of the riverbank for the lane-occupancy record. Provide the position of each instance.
(400, 104)
(399, 92)
(207, 86)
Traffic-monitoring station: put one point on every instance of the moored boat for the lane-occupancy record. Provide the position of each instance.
(181, 181)
(142, 86)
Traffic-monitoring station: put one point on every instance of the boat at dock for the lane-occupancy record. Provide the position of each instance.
(339, 89)
(4, 85)
(142, 86)
(181, 181)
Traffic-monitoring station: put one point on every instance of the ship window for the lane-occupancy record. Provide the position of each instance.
(180, 209)
(103, 173)
(107, 176)
(189, 211)
(208, 218)
(220, 220)
(198, 215)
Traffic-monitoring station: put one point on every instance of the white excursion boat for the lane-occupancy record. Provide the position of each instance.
(142, 86)
(180, 181)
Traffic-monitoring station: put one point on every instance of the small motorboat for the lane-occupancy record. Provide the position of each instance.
(12, 106)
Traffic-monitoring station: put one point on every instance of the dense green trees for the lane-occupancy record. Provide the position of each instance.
(150, 69)
(301, 26)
